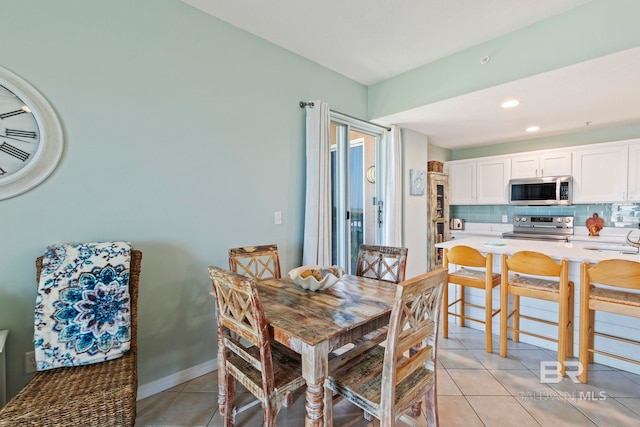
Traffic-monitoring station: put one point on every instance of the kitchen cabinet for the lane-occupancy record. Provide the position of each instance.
(462, 182)
(633, 182)
(532, 165)
(600, 173)
(493, 181)
(438, 217)
(479, 182)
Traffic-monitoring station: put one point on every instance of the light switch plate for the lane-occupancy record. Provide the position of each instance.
(505, 218)
(277, 217)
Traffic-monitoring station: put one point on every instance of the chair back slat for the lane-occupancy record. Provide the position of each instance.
(420, 359)
(256, 262)
(466, 256)
(382, 262)
(616, 272)
(534, 263)
(244, 352)
(414, 336)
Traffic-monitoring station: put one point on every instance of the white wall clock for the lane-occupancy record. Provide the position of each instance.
(30, 136)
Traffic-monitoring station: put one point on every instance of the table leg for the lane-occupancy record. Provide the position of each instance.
(314, 371)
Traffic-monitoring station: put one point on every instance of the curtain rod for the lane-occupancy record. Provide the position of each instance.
(311, 104)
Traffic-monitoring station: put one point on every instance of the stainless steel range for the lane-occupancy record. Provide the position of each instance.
(541, 227)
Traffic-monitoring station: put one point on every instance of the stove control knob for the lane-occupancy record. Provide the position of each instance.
(567, 220)
(517, 219)
(559, 219)
(523, 219)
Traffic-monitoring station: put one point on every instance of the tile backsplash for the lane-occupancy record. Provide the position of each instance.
(614, 214)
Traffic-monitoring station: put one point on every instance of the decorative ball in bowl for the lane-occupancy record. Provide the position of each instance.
(315, 277)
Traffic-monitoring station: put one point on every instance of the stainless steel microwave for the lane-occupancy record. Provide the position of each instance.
(545, 191)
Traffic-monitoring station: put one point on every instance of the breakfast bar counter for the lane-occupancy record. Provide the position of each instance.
(576, 253)
(591, 251)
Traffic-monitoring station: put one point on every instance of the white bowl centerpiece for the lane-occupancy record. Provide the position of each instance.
(315, 277)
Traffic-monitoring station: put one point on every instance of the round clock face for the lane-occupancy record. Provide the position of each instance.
(30, 136)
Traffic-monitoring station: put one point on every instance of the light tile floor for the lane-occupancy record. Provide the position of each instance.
(474, 389)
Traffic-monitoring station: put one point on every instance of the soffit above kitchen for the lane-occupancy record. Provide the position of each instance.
(370, 41)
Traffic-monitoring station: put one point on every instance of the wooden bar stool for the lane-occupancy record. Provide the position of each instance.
(476, 271)
(536, 275)
(619, 277)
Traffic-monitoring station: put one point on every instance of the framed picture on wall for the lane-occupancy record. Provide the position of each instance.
(418, 181)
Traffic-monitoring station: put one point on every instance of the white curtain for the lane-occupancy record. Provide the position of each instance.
(317, 216)
(391, 181)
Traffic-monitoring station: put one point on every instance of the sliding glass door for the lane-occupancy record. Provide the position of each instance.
(353, 191)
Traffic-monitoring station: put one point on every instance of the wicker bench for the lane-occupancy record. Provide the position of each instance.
(101, 394)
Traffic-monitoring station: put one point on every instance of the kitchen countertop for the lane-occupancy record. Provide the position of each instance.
(572, 251)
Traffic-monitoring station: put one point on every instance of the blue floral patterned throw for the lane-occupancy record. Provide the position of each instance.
(82, 312)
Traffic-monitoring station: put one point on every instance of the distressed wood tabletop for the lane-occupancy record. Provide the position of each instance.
(316, 323)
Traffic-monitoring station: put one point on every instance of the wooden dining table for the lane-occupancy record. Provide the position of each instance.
(314, 324)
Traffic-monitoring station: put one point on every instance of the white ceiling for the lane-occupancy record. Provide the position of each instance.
(372, 40)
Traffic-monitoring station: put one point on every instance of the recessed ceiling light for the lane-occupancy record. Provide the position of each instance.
(510, 103)
(533, 128)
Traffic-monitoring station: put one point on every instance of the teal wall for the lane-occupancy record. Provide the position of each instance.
(438, 153)
(590, 136)
(183, 135)
(598, 28)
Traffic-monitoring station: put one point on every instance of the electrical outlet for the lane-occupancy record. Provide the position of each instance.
(30, 362)
(505, 218)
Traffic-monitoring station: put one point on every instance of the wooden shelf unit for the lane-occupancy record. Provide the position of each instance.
(438, 217)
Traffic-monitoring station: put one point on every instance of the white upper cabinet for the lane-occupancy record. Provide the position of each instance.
(462, 182)
(600, 173)
(483, 181)
(634, 173)
(553, 163)
(493, 181)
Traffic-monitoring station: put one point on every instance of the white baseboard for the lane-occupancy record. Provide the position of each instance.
(149, 389)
